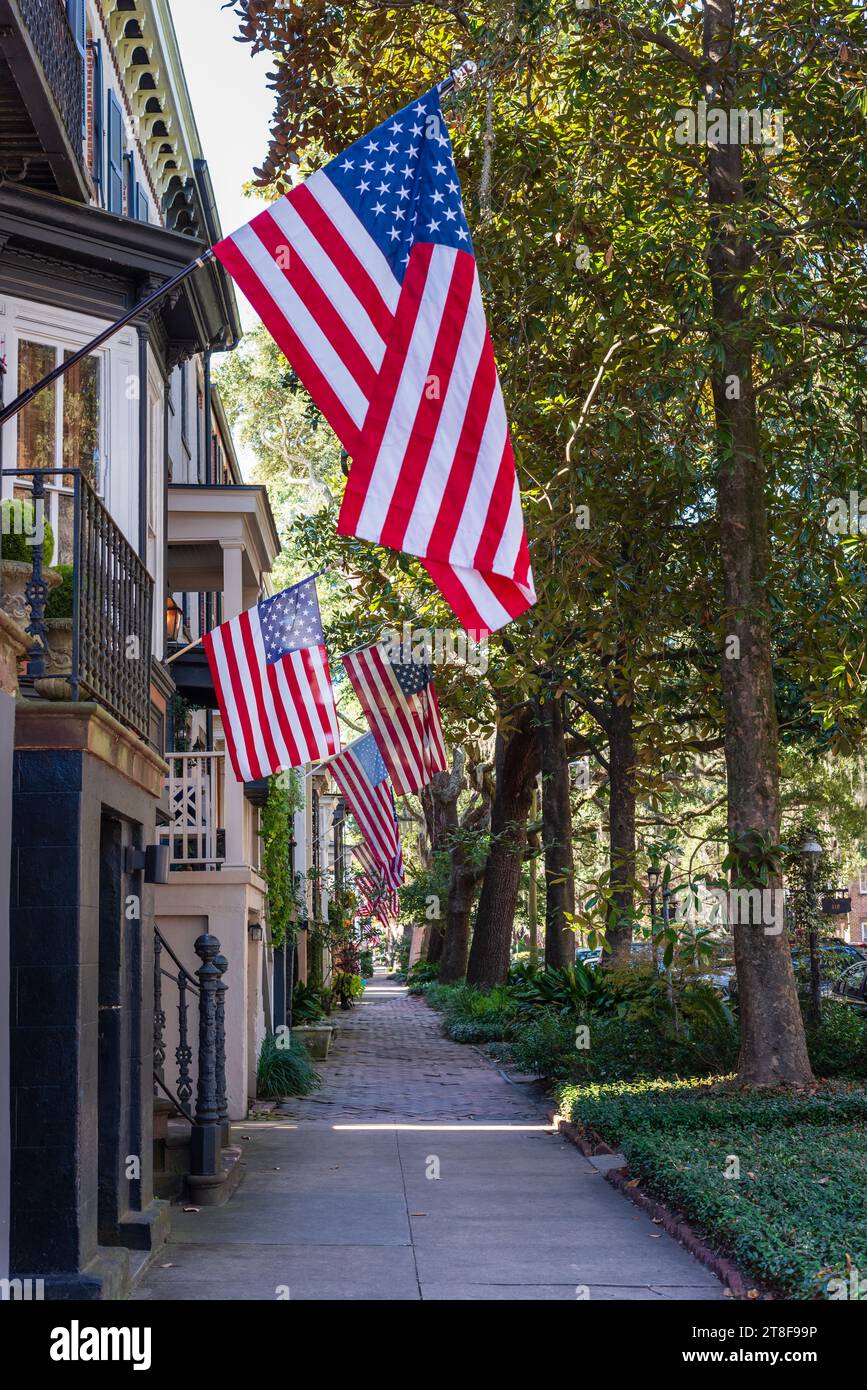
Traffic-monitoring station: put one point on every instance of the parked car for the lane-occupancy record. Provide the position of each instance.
(588, 958)
(851, 988)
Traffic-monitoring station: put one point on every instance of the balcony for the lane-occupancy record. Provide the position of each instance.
(212, 821)
(99, 647)
(42, 98)
(221, 539)
(195, 795)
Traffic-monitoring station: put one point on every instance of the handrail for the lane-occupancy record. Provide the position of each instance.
(166, 947)
(185, 1114)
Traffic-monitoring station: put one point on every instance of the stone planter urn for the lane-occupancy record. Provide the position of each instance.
(14, 642)
(316, 1037)
(14, 575)
(58, 660)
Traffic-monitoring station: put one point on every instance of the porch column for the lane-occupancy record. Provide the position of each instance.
(233, 800)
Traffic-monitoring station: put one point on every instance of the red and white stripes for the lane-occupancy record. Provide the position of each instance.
(274, 716)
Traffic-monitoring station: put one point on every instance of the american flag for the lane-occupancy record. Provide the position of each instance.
(372, 872)
(270, 671)
(400, 704)
(377, 900)
(362, 776)
(365, 276)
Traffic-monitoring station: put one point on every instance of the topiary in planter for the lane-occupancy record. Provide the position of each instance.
(17, 519)
(59, 603)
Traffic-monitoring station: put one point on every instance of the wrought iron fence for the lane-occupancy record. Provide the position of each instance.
(58, 53)
(112, 602)
(206, 1071)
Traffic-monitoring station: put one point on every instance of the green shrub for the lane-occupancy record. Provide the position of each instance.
(439, 996)
(838, 1047)
(365, 964)
(472, 1015)
(309, 1004)
(544, 1045)
(347, 987)
(284, 1069)
(794, 1217)
(60, 600)
(421, 974)
(611, 1109)
(18, 528)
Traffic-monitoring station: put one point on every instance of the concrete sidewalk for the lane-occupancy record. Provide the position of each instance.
(417, 1172)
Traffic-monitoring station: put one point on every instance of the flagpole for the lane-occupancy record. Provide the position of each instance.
(458, 77)
(27, 396)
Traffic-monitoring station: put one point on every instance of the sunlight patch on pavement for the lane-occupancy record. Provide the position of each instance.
(459, 1128)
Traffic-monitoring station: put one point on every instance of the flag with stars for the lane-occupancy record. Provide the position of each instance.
(270, 671)
(362, 777)
(400, 704)
(376, 898)
(365, 276)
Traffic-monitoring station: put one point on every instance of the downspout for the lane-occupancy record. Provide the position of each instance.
(207, 424)
(142, 331)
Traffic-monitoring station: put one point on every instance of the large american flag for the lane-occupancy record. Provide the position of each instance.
(365, 275)
(362, 776)
(400, 704)
(270, 671)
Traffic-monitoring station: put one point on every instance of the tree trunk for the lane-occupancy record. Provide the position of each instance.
(517, 766)
(621, 821)
(462, 890)
(440, 802)
(556, 835)
(464, 880)
(773, 1047)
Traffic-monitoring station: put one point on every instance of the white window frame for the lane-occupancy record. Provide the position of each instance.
(61, 343)
(862, 880)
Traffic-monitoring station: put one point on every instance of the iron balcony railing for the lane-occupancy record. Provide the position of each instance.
(112, 601)
(54, 41)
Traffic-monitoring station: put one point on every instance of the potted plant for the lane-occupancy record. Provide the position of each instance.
(17, 519)
(58, 639)
(309, 1023)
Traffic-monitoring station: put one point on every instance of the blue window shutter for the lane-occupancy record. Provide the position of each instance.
(142, 206)
(77, 16)
(115, 155)
(98, 121)
(130, 184)
(75, 9)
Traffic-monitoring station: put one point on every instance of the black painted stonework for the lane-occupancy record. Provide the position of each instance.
(81, 1026)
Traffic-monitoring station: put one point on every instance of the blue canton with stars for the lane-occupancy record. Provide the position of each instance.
(401, 183)
(367, 753)
(412, 676)
(290, 620)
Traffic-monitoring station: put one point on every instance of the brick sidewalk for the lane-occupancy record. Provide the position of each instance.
(390, 1060)
(417, 1172)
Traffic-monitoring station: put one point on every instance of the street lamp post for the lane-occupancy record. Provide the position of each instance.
(653, 873)
(810, 852)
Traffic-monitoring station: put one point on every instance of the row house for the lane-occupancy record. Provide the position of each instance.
(129, 856)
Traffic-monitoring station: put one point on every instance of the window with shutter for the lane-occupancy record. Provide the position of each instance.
(115, 155)
(97, 134)
(142, 206)
(77, 15)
